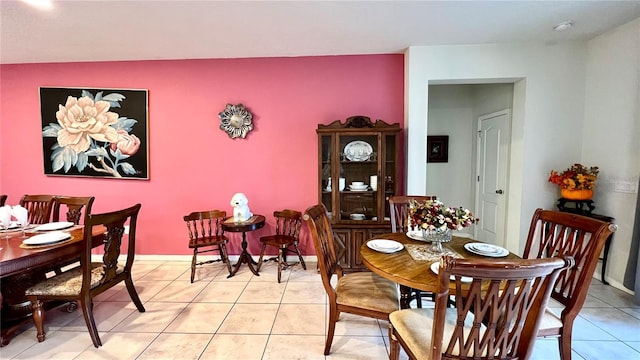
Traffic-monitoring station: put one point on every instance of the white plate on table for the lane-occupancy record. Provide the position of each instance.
(416, 235)
(12, 226)
(436, 266)
(489, 250)
(54, 226)
(385, 246)
(47, 238)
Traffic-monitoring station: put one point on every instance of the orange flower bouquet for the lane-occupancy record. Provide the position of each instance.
(577, 177)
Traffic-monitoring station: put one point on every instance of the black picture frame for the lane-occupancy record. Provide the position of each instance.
(438, 149)
(117, 150)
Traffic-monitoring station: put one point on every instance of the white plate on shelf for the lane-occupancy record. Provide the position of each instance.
(47, 238)
(489, 250)
(54, 226)
(385, 246)
(416, 235)
(358, 151)
(435, 267)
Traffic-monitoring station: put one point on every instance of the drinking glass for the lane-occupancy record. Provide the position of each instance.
(23, 225)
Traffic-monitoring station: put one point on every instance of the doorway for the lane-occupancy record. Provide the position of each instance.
(453, 110)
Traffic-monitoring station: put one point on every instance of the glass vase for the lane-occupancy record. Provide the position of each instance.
(436, 237)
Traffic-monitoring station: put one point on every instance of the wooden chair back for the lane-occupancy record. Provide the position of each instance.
(556, 233)
(73, 207)
(39, 207)
(322, 235)
(111, 246)
(501, 306)
(288, 223)
(399, 210)
(204, 225)
(3, 199)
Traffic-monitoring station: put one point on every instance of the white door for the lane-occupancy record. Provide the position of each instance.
(491, 175)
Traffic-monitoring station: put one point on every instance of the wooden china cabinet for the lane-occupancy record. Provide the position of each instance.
(358, 150)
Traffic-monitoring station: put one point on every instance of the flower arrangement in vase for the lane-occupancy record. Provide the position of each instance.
(437, 220)
(576, 182)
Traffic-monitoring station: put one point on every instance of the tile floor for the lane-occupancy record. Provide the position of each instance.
(253, 317)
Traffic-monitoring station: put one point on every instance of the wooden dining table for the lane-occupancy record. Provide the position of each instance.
(21, 267)
(401, 268)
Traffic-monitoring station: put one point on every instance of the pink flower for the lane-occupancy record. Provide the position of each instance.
(127, 143)
(82, 119)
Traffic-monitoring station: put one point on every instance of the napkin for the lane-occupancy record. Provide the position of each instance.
(21, 214)
(5, 215)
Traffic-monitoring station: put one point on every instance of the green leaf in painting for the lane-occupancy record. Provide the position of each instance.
(83, 161)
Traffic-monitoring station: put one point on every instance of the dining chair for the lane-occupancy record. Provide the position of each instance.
(399, 210)
(3, 199)
(205, 232)
(73, 208)
(496, 314)
(360, 293)
(286, 238)
(556, 233)
(92, 278)
(39, 207)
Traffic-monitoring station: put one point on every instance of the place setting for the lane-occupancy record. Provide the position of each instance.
(489, 250)
(46, 239)
(384, 246)
(435, 267)
(53, 226)
(416, 235)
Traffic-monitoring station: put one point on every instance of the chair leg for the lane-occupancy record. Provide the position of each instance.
(280, 255)
(564, 342)
(225, 257)
(394, 349)
(133, 293)
(87, 311)
(38, 318)
(193, 264)
(264, 246)
(333, 318)
(304, 266)
(418, 295)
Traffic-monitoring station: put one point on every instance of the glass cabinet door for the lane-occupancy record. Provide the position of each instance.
(357, 177)
(325, 173)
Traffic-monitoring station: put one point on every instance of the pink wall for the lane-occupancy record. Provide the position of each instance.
(193, 164)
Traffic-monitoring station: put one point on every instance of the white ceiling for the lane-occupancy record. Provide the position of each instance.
(141, 30)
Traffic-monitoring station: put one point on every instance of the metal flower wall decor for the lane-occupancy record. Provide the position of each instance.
(236, 121)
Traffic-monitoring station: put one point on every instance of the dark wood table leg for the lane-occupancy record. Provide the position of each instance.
(605, 256)
(245, 258)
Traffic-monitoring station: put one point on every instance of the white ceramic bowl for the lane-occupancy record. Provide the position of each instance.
(357, 216)
(357, 183)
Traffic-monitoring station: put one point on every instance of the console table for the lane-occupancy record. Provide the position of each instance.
(585, 208)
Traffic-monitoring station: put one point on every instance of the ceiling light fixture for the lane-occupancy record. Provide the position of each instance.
(40, 4)
(562, 26)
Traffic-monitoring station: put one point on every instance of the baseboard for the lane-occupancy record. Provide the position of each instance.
(206, 257)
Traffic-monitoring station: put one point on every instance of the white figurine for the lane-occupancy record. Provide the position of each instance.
(241, 210)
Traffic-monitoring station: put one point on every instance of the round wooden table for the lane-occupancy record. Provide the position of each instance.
(253, 223)
(401, 268)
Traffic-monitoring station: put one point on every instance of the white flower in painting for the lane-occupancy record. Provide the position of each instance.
(82, 119)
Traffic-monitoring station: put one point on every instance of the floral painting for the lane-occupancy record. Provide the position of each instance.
(95, 132)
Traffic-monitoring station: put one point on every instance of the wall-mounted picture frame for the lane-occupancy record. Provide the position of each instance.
(88, 132)
(438, 149)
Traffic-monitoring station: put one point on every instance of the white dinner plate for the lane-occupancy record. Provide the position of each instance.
(47, 238)
(358, 151)
(54, 226)
(486, 249)
(12, 226)
(416, 235)
(385, 246)
(436, 266)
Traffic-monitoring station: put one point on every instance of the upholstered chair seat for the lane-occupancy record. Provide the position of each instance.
(69, 283)
(382, 294)
(414, 327)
